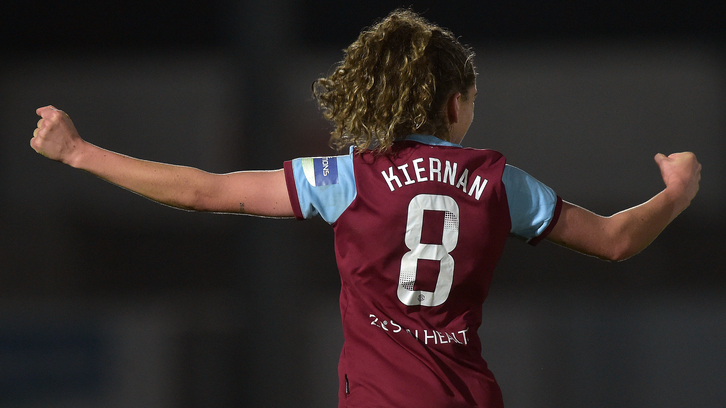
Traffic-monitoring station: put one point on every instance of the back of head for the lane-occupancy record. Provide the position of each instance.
(394, 81)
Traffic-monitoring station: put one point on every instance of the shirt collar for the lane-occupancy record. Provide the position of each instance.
(431, 140)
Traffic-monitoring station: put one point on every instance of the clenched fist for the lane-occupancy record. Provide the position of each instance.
(680, 171)
(55, 137)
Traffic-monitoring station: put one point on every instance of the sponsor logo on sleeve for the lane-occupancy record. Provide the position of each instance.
(321, 171)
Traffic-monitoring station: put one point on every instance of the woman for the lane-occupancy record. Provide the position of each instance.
(419, 221)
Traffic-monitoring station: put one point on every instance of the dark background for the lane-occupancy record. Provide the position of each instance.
(107, 299)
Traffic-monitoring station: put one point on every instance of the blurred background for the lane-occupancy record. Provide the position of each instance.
(109, 300)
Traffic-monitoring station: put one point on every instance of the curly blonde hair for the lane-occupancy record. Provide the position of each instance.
(394, 81)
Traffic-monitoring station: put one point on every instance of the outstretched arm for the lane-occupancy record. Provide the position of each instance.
(628, 232)
(254, 192)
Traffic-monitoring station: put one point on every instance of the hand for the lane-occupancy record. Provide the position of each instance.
(680, 171)
(56, 137)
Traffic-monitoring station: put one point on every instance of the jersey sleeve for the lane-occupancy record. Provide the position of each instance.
(323, 186)
(533, 207)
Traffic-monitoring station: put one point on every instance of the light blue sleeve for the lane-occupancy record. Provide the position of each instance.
(532, 205)
(325, 185)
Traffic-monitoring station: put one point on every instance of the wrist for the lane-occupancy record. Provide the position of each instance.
(678, 196)
(78, 154)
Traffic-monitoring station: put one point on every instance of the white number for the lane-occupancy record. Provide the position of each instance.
(435, 252)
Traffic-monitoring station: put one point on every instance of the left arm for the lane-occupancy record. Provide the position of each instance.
(628, 232)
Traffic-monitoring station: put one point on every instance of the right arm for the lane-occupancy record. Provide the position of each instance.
(261, 193)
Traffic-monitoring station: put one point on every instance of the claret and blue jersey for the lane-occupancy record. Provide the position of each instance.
(531, 209)
(418, 232)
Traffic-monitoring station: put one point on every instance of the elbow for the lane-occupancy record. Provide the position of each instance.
(201, 194)
(615, 257)
(619, 250)
(190, 200)
(189, 189)
(196, 201)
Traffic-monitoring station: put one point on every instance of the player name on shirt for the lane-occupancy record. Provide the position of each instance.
(418, 171)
